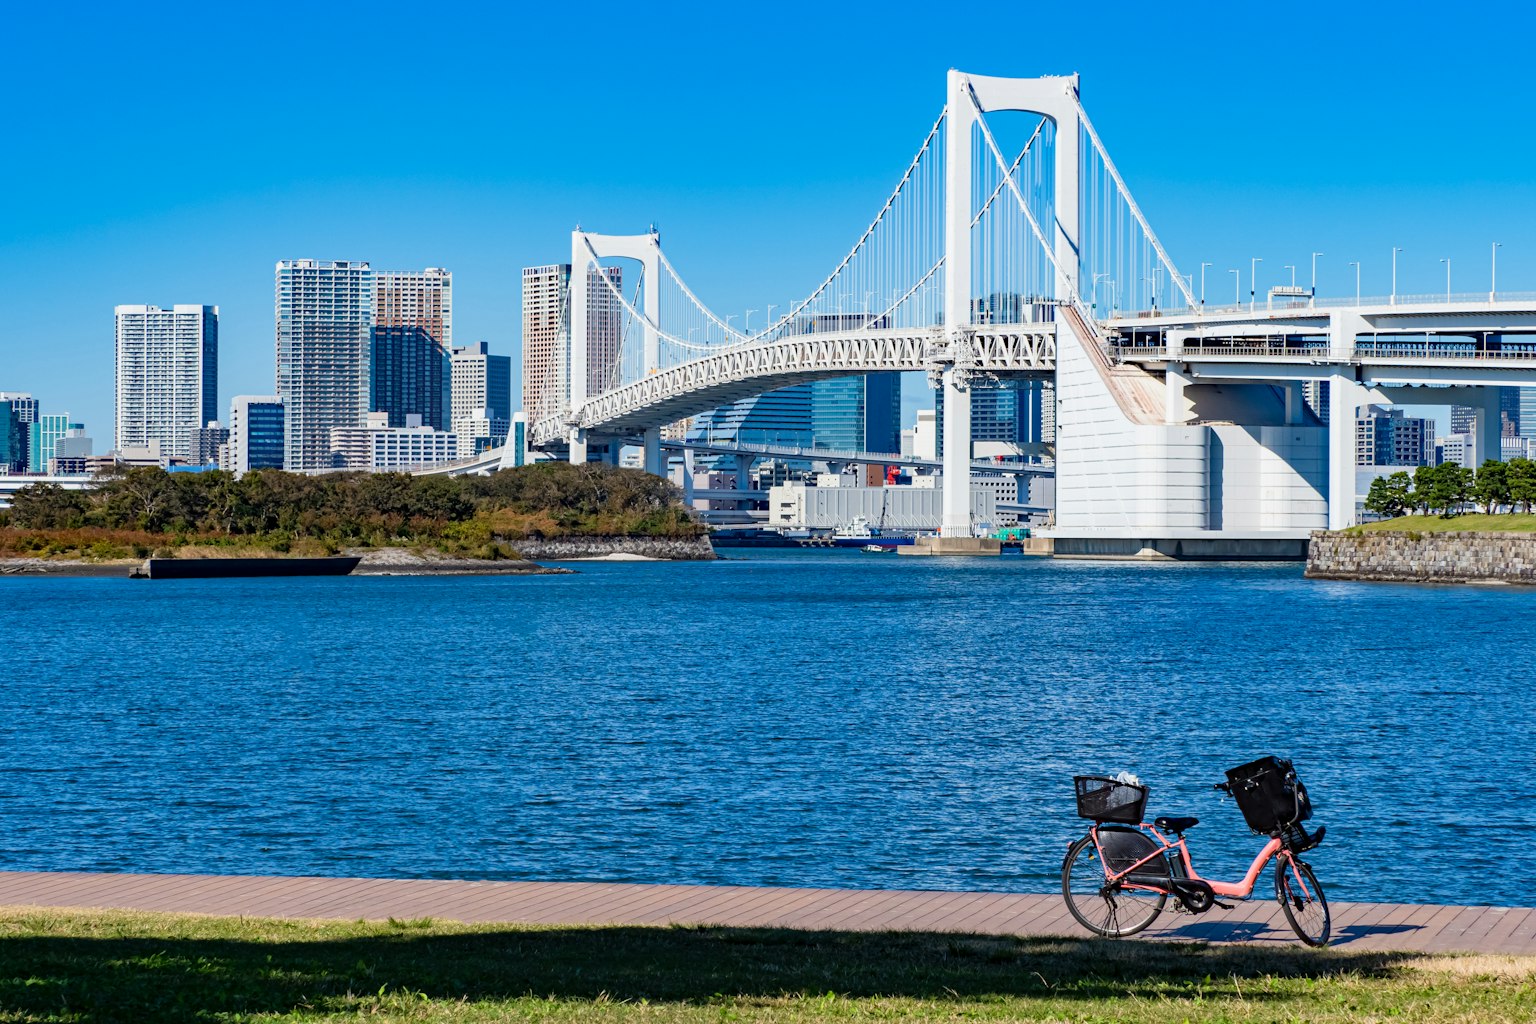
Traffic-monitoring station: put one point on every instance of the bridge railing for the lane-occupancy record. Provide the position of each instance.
(1318, 350)
(1347, 302)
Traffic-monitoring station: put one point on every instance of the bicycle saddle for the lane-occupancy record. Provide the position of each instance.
(1169, 824)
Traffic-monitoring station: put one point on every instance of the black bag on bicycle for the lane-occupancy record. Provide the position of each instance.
(1270, 795)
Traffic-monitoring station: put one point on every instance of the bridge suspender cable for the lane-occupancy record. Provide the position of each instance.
(1130, 201)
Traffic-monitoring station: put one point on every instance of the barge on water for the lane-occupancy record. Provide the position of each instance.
(225, 568)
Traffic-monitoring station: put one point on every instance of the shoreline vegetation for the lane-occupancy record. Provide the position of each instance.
(397, 522)
(83, 965)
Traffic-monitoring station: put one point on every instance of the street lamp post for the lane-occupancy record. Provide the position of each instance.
(1253, 274)
(1237, 288)
(1447, 263)
(1395, 251)
(1096, 279)
(1357, 282)
(746, 324)
(770, 313)
(1493, 273)
(1314, 276)
(1292, 268)
(1202, 282)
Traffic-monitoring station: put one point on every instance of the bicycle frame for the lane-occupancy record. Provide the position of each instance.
(1236, 890)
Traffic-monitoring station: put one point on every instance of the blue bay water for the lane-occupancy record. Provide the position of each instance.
(781, 718)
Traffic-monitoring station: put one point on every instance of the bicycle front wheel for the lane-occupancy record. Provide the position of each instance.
(1112, 911)
(1302, 899)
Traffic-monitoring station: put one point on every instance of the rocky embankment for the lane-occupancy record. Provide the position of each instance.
(617, 548)
(1405, 557)
(402, 562)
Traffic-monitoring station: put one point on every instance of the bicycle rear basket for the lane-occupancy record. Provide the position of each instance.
(1105, 799)
(1269, 794)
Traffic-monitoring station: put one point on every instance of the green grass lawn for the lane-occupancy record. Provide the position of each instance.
(1475, 522)
(122, 966)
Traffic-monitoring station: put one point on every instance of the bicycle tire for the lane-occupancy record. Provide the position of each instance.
(1100, 908)
(1301, 897)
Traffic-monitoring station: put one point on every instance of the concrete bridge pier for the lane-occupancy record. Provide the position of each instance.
(651, 447)
(1345, 396)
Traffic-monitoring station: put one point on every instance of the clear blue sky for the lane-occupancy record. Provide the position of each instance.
(168, 153)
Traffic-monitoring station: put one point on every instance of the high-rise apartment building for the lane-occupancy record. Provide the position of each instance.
(24, 408)
(255, 434)
(167, 376)
(13, 435)
(781, 417)
(208, 442)
(46, 433)
(1014, 415)
(860, 413)
(411, 337)
(1389, 437)
(481, 381)
(324, 326)
(546, 324)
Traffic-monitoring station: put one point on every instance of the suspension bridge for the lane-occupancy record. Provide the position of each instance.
(1179, 429)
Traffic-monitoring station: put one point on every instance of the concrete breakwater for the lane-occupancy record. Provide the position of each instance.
(661, 548)
(1405, 557)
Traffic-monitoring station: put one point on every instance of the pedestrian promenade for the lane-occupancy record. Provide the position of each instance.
(1394, 926)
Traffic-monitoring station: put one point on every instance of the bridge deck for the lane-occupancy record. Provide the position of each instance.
(1395, 926)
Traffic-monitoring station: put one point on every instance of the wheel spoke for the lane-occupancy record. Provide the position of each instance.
(1104, 908)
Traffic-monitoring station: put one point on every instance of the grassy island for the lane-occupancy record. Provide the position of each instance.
(58, 965)
(147, 511)
(1467, 522)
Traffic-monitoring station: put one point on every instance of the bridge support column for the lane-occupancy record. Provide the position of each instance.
(1295, 403)
(743, 477)
(651, 449)
(1488, 433)
(1176, 380)
(956, 521)
(577, 446)
(1344, 397)
(688, 477)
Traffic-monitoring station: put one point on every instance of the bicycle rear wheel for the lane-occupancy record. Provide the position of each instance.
(1112, 911)
(1302, 899)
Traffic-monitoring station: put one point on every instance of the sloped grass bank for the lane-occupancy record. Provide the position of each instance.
(127, 966)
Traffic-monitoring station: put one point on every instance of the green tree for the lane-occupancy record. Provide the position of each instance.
(1451, 484)
(1423, 489)
(49, 507)
(1491, 486)
(1521, 474)
(1389, 495)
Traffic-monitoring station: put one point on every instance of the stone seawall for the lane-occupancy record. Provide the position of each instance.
(666, 548)
(1406, 557)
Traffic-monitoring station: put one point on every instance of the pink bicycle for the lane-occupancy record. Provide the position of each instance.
(1118, 877)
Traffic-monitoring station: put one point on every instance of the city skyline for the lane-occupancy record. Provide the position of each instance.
(757, 189)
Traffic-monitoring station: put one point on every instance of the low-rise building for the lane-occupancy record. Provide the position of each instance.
(797, 506)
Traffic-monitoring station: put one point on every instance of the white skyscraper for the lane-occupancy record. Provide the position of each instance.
(324, 322)
(167, 376)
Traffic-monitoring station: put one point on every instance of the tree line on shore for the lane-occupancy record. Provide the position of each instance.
(1449, 488)
(471, 514)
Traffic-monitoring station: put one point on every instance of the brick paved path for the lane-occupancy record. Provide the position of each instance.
(1355, 925)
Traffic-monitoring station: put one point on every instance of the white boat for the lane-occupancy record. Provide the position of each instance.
(877, 549)
(856, 530)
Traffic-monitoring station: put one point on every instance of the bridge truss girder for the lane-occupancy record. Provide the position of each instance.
(723, 377)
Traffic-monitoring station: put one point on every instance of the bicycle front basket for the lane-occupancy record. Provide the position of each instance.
(1269, 794)
(1104, 799)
